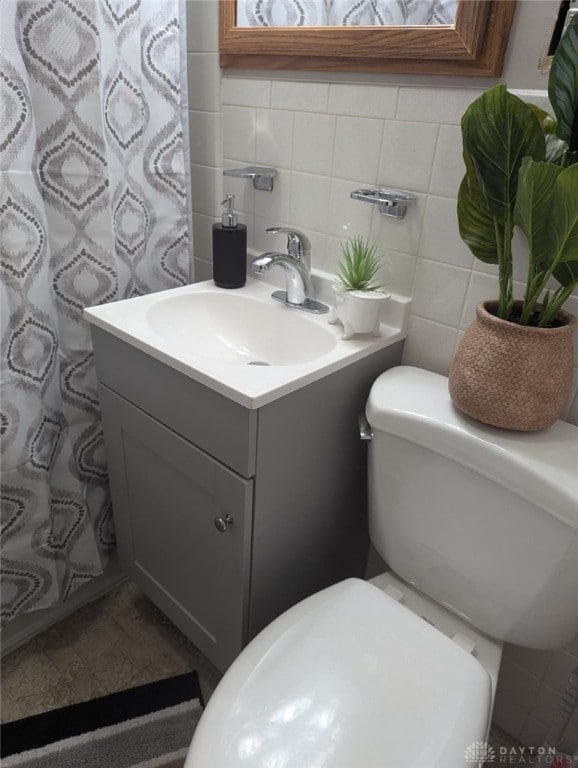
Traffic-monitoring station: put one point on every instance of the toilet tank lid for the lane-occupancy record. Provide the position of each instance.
(541, 467)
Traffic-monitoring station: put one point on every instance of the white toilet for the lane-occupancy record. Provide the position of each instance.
(481, 528)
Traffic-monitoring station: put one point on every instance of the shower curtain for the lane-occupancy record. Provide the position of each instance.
(94, 207)
(338, 13)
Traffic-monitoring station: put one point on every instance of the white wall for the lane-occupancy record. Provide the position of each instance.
(330, 134)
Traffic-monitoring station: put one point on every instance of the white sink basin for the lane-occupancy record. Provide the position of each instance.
(239, 329)
(241, 343)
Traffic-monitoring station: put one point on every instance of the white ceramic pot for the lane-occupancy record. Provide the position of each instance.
(358, 311)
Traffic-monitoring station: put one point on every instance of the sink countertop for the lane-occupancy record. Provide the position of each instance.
(251, 386)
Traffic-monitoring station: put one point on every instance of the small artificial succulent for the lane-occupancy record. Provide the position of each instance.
(359, 265)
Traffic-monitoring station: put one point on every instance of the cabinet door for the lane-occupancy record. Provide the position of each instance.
(168, 496)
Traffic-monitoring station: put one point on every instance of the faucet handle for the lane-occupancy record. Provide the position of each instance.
(298, 245)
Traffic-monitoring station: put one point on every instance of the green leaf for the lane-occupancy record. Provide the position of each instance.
(547, 123)
(555, 147)
(476, 223)
(498, 131)
(567, 273)
(533, 206)
(563, 226)
(554, 303)
(563, 86)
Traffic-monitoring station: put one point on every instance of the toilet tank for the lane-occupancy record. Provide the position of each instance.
(483, 521)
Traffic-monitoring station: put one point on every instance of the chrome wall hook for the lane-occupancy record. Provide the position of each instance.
(262, 176)
(390, 202)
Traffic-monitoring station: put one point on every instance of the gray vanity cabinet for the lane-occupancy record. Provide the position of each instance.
(167, 496)
(226, 516)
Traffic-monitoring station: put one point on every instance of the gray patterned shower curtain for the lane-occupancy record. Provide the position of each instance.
(94, 207)
(339, 13)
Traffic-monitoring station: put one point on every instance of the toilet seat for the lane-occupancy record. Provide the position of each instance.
(346, 678)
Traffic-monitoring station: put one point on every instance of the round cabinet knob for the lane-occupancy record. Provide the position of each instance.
(222, 523)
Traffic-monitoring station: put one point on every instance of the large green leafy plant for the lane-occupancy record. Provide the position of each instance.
(522, 169)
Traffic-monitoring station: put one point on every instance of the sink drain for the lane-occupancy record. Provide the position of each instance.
(257, 362)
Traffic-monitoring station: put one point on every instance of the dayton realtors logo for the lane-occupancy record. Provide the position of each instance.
(480, 752)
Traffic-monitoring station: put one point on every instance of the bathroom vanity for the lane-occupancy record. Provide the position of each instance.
(235, 494)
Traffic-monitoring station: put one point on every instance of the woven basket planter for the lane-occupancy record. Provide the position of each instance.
(513, 376)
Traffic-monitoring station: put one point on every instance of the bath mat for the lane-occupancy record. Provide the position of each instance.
(149, 726)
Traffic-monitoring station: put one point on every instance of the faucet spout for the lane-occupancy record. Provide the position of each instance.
(296, 264)
(299, 285)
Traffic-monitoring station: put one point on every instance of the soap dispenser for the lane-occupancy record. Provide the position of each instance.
(229, 248)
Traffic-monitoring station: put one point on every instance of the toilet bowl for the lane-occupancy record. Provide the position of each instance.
(481, 530)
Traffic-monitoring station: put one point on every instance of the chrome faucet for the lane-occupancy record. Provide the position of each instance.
(296, 264)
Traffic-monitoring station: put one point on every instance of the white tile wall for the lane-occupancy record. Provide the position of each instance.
(274, 137)
(407, 154)
(324, 150)
(377, 101)
(440, 239)
(205, 127)
(327, 139)
(313, 142)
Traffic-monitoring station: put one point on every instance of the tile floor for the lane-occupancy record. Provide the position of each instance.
(117, 642)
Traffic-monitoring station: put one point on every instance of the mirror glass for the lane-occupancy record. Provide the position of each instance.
(438, 37)
(343, 13)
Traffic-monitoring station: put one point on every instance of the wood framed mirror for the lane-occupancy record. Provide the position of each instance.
(474, 45)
